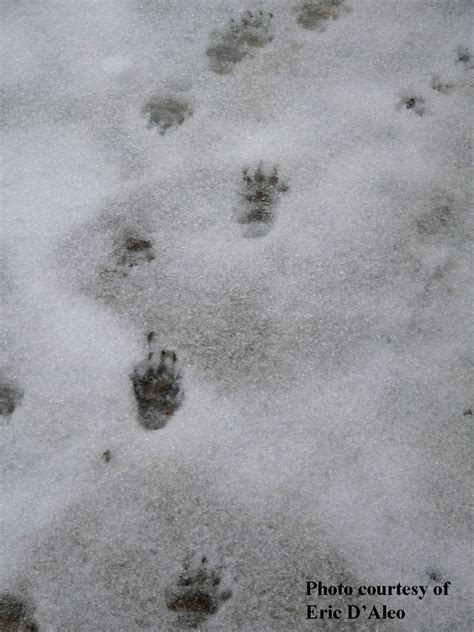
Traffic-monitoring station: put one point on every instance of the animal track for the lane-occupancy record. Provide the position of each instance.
(464, 57)
(166, 113)
(233, 43)
(260, 190)
(134, 251)
(10, 397)
(157, 388)
(16, 615)
(195, 595)
(313, 14)
(443, 87)
(436, 221)
(417, 104)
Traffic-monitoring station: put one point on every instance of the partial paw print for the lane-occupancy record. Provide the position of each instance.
(415, 104)
(157, 387)
(133, 250)
(130, 252)
(166, 113)
(260, 189)
(234, 42)
(16, 615)
(196, 594)
(435, 222)
(464, 61)
(10, 397)
(314, 14)
(111, 256)
(464, 57)
(442, 86)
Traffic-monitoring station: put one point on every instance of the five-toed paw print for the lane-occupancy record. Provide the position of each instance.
(157, 388)
(196, 594)
(260, 190)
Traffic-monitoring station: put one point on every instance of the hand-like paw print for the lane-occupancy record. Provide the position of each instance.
(157, 388)
(196, 594)
(260, 190)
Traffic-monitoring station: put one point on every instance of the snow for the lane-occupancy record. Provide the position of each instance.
(325, 356)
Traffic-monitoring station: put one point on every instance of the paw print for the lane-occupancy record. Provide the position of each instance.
(436, 221)
(233, 43)
(134, 251)
(443, 87)
(157, 388)
(16, 615)
(313, 14)
(10, 397)
(196, 594)
(464, 57)
(416, 104)
(166, 113)
(260, 191)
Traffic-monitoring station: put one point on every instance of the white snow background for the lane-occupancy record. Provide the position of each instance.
(324, 432)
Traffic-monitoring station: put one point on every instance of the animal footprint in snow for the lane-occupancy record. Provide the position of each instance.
(313, 14)
(196, 594)
(129, 251)
(166, 113)
(157, 388)
(134, 251)
(260, 190)
(16, 615)
(442, 87)
(464, 57)
(10, 397)
(435, 222)
(235, 41)
(416, 104)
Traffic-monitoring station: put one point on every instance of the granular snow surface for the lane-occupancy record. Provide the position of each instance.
(235, 352)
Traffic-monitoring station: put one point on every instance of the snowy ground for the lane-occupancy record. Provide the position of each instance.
(284, 200)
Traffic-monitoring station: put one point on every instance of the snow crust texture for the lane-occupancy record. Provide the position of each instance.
(236, 347)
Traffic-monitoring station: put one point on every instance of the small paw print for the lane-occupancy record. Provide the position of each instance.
(260, 191)
(166, 113)
(10, 397)
(196, 595)
(436, 221)
(464, 57)
(440, 86)
(313, 14)
(234, 42)
(415, 104)
(157, 388)
(135, 251)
